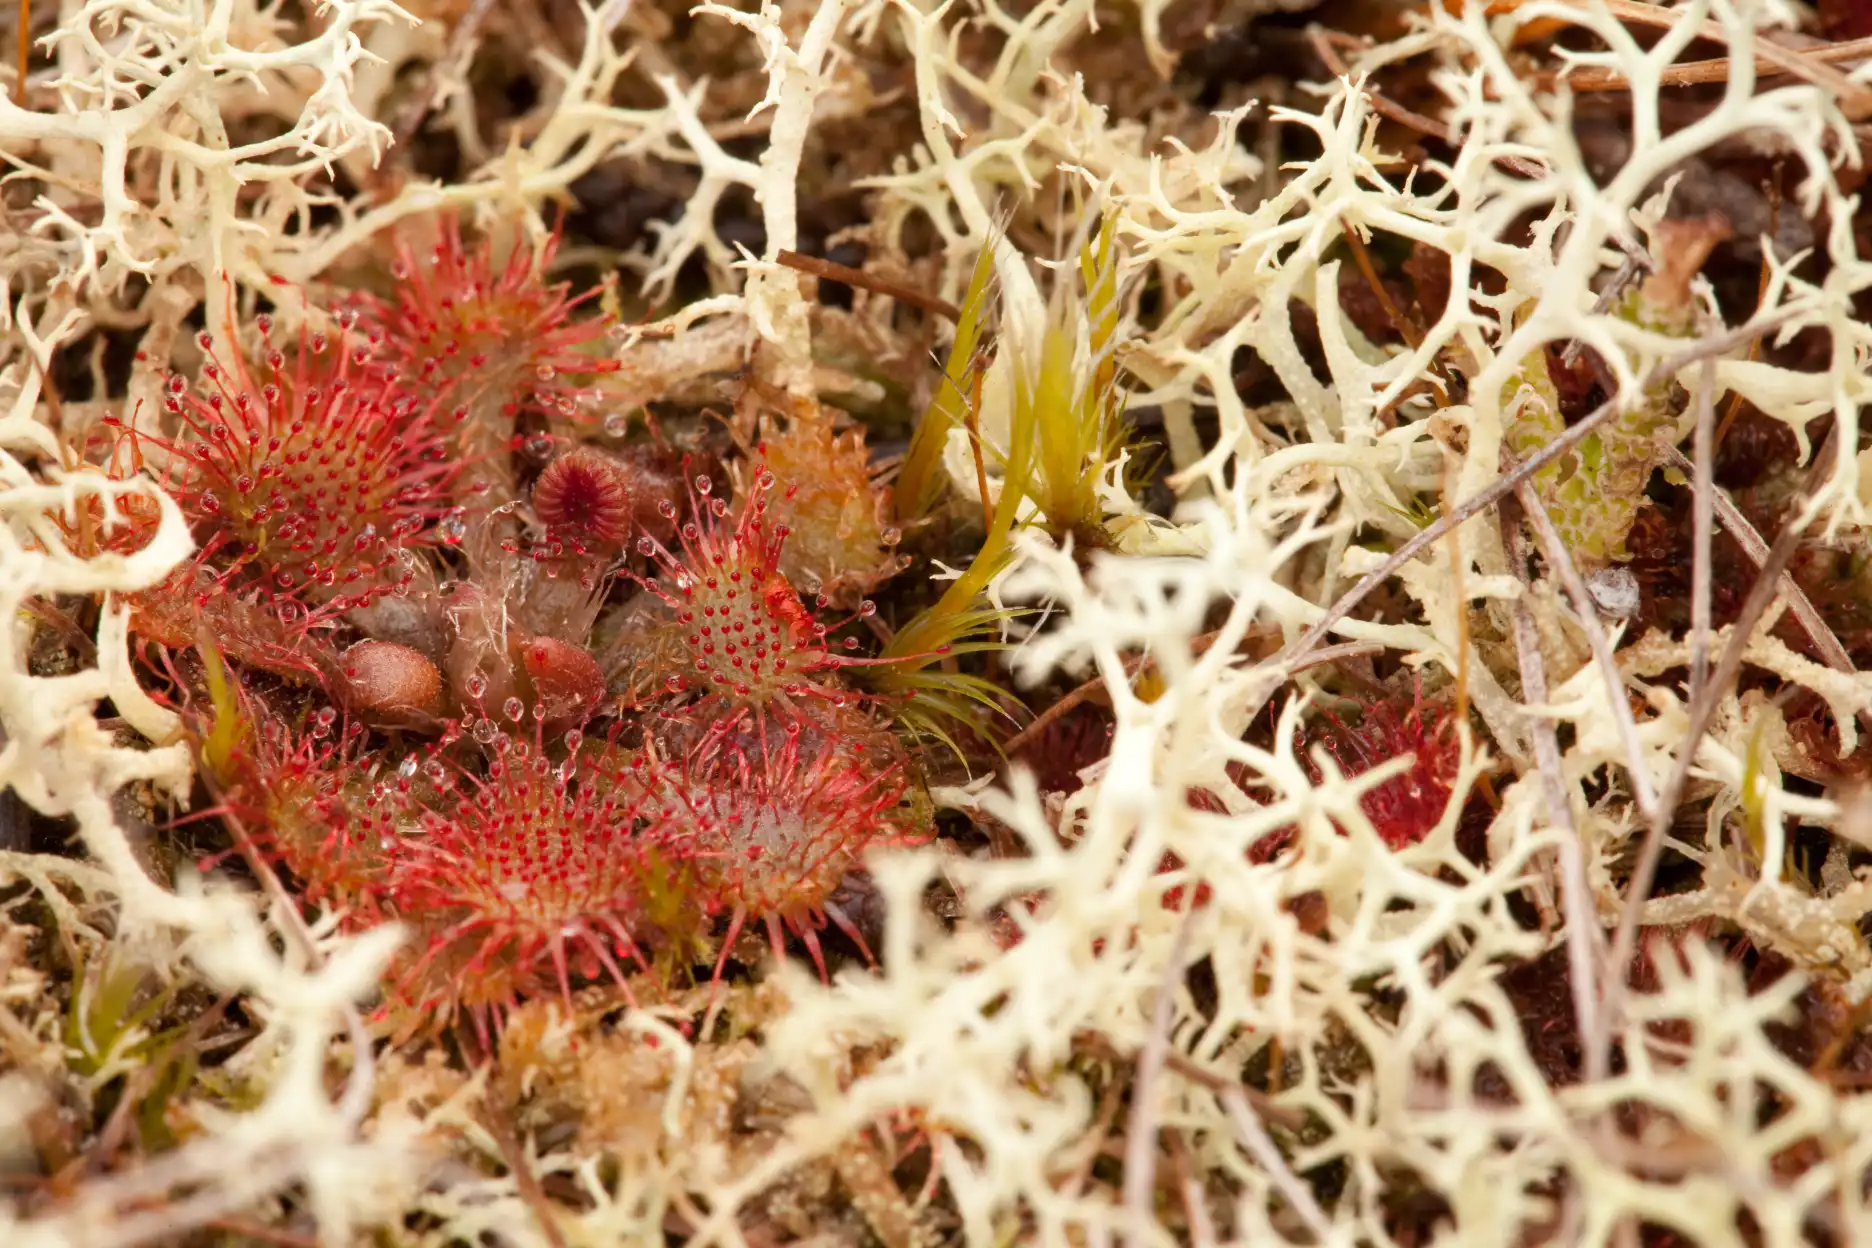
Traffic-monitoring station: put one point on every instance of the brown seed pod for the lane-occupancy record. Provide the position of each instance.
(389, 686)
(567, 681)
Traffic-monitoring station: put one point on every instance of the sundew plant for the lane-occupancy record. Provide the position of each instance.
(870, 622)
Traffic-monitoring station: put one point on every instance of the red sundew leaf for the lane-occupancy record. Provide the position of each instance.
(774, 809)
(499, 335)
(746, 633)
(305, 486)
(522, 877)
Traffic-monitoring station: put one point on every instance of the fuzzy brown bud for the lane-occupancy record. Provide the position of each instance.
(389, 686)
(567, 681)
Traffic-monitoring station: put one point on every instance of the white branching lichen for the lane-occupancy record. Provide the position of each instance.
(188, 156)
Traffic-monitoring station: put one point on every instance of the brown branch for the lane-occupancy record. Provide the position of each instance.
(24, 37)
(1596, 78)
(494, 1121)
(1855, 101)
(1140, 1150)
(1576, 899)
(1588, 612)
(832, 271)
(1702, 712)
(1825, 642)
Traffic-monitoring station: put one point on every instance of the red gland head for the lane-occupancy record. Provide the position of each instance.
(307, 484)
(748, 634)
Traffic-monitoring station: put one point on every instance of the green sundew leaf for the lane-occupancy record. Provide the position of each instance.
(918, 482)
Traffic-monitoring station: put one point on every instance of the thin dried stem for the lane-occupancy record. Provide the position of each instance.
(1281, 666)
(1582, 921)
(1593, 78)
(1644, 790)
(1702, 492)
(1825, 642)
(24, 37)
(1644, 870)
(832, 271)
(1854, 100)
(1260, 1146)
(494, 1122)
(1140, 1152)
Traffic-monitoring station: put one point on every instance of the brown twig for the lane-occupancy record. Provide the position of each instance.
(832, 271)
(24, 37)
(1702, 512)
(1186, 1067)
(1576, 901)
(493, 1120)
(1643, 790)
(1644, 870)
(1260, 1146)
(1825, 642)
(1596, 78)
(1854, 100)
